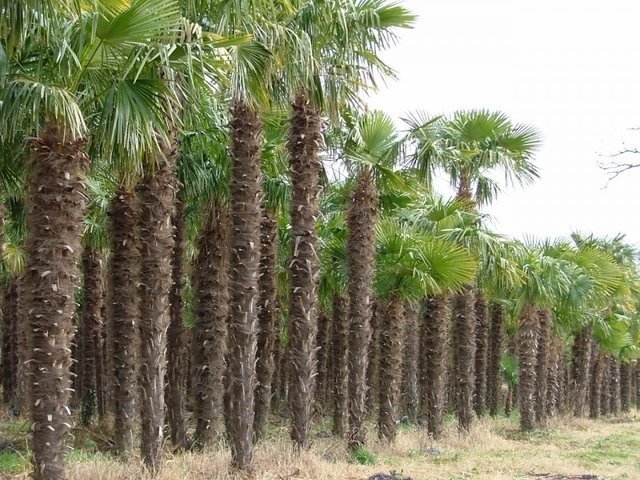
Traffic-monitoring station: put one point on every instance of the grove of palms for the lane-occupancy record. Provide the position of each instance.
(206, 231)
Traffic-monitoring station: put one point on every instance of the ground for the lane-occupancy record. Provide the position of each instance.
(567, 449)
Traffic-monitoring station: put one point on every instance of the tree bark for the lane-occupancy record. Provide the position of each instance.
(303, 144)
(410, 362)
(322, 377)
(158, 198)
(581, 354)
(527, 339)
(57, 204)
(597, 376)
(625, 387)
(545, 323)
(463, 356)
(9, 343)
(554, 376)
(340, 333)
(434, 352)
(361, 219)
(373, 362)
(92, 262)
(482, 345)
(494, 362)
(176, 335)
(267, 321)
(391, 341)
(614, 386)
(124, 314)
(211, 292)
(246, 199)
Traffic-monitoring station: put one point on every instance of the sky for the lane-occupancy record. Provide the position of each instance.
(570, 68)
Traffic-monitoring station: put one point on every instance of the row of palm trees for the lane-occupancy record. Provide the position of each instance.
(150, 143)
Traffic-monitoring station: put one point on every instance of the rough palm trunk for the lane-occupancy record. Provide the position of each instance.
(303, 144)
(176, 348)
(104, 364)
(246, 200)
(545, 320)
(527, 348)
(361, 218)
(625, 387)
(391, 341)
(434, 352)
(463, 356)
(267, 331)
(211, 292)
(555, 369)
(92, 261)
(581, 354)
(57, 205)
(322, 377)
(597, 376)
(9, 342)
(482, 345)
(24, 344)
(124, 314)
(496, 346)
(614, 386)
(373, 362)
(158, 196)
(605, 390)
(410, 362)
(340, 333)
(102, 387)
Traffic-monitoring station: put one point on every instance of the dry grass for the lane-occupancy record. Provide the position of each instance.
(494, 450)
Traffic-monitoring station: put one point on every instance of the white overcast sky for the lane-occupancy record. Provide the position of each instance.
(569, 67)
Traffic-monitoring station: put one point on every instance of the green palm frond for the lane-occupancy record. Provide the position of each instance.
(413, 265)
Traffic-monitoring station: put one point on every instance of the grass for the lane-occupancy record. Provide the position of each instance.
(495, 450)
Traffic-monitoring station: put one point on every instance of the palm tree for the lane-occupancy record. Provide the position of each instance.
(277, 200)
(338, 55)
(372, 142)
(410, 265)
(468, 147)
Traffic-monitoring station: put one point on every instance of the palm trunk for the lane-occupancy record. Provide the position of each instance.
(322, 377)
(581, 354)
(340, 333)
(527, 338)
(614, 386)
(57, 198)
(391, 341)
(361, 219)
(597, 376)
(605, 391)
(103, 387)
(463, 356)
(9, 343)
(246, 200)
(158, 195)
(176, 348)
(482, 345)
(434, 351)
(542, 362)
(211, 291)
(625, 387)
(554, 376)
(373, 362)
(303, 145)
(24, 343)
(410, 362)
(92, 330)
(267, 319)
(124, 314)
(496, 346)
